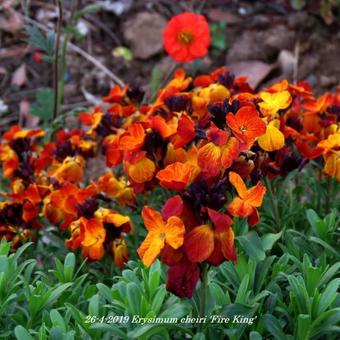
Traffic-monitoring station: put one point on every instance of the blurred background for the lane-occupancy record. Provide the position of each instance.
(265, 40)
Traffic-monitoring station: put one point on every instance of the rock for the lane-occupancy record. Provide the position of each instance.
(246, 47)
(143, 34)
(286, 61)
(261, 45)
(279, 38)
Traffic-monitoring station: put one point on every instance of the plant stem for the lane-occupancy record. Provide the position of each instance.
(66, 39)
(273, 202)
(56, 60)
(203, 291)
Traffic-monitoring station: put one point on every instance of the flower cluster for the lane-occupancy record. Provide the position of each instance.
(208, 141)
(47, 181)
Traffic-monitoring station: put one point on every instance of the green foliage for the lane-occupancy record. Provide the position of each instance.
(218, 37)
(43, 107)
(42, 43)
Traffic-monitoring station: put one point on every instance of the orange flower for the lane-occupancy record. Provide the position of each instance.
(72, 169)
(116, 94)
(120, 252)
(273, 139)
(140, 168)
(15, 132)
(160, 233)
(118, 189)
(246, 124)
(185, 132)
(331, 155)
(9, 158)
(134, 138)
(175, 176)
(111, 217)
(249, 199)
(219, 153)
(94, 237)
(214, 244)
(186, 37)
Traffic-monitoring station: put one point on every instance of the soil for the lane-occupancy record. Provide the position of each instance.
(270, 32)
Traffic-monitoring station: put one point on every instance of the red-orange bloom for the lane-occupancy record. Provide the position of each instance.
(175, 176)
(246, 124)
(186, 37)
(160, 233)
(249, 199)
(214, 244)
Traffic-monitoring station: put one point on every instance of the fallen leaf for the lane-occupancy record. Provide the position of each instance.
(19, 77)
(256, 71)
(25, 111)
(15, 22)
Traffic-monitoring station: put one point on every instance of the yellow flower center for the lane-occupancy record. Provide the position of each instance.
(185, 38)
(162, 236)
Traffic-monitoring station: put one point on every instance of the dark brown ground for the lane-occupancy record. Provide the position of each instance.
(267, 31)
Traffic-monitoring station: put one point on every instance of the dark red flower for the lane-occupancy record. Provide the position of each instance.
(186, 37)
(182, 278)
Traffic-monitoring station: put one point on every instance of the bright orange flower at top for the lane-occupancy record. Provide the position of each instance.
(246, 124)
(176, 176)
(186, 37)
(249, 199)
(160, 233)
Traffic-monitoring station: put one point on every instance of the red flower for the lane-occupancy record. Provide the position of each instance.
(186, 37)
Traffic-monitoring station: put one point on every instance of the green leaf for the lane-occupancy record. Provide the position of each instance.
(274, 327)
(36, 38)
(69, 265)
(325, 320)
(155, 82)
(269, 240)
(326, 246)
(303, 326)
(255, 336)
(158, 299)
(242, 291)
(328, 295)
(154, 277)
(133, 297)
(252, 245)
(57, 320)
(43, 107)
(22, 334)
